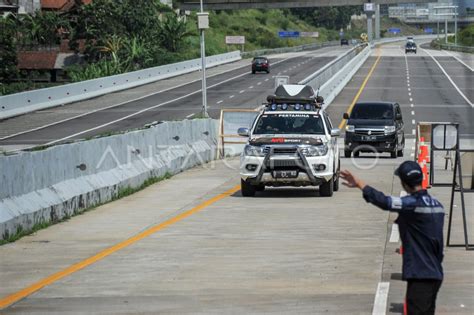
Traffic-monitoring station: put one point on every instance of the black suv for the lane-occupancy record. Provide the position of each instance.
(260, 64)
(410, 47)
(344, 41)
(374, 127)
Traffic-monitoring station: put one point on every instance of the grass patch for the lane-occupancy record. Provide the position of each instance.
(123, 192)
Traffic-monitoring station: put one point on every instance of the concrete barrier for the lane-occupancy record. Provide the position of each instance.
(25, 102)
(282, 50)
(332, 78)
(333, 86)
(49, 185)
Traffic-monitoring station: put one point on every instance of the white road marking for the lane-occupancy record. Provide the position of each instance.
(241, 91)
(413, 112)
(219, 101)
(409, 89)
(458, 59)
(190, 115)
(411, 99)
(231, 96)
(395, 234)
(412, 154)
(381, 298)
(251, 87)
(133, 100)
(259, 83)
(413, 132)
(412, 105)
(413, 121)
(409, 93)
(449, 78)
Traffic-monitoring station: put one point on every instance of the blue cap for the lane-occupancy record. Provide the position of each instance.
(410, 173)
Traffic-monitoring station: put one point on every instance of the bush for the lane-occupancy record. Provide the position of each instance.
(466, 36)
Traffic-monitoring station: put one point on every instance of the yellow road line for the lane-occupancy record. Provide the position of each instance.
(15, 297)
(361, 89)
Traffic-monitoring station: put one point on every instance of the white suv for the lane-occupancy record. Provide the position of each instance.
(290, 145)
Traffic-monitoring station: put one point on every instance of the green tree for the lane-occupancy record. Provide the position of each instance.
(466, 36)
(8, 57)
(172, 32)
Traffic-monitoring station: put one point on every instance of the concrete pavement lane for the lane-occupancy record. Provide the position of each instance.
(186, 100)
(285, 251)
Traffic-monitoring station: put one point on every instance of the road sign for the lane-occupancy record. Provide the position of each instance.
(288, 34)
(309, 34)
(238, 40)
(428, 30)
(394, 30)
(369, 7)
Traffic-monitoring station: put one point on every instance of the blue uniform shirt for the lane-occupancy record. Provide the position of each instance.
(420, 222)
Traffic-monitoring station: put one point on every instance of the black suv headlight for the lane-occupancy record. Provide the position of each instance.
(389, 130)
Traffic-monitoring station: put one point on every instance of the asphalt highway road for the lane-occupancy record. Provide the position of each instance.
(430, 86)
(193, 245)
(233, 89)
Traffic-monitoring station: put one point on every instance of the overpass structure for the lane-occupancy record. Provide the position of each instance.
(263, 4)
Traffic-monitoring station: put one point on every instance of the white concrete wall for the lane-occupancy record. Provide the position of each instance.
(48, 185)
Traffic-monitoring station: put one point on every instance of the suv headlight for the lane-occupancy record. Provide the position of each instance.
(350, 128)
(251, 150)
(389, 129)
(318, 150)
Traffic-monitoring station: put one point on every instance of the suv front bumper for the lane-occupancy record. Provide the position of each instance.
(261, 170)
(385, 143)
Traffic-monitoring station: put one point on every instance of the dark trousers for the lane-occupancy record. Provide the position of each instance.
(421, 296)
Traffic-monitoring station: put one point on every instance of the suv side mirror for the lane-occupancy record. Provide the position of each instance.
(243, 132)
(336, 132)
(345, 116)
(399, 117)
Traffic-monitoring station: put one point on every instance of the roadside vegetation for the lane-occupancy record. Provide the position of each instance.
(120, 36)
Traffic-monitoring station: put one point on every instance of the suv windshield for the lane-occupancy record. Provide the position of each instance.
(260, 60)
(309, 124)
(372, 111)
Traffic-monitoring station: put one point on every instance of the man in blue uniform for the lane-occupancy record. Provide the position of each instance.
(420, 222)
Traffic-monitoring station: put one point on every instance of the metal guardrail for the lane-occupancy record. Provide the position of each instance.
(25, 102)
(452, 47)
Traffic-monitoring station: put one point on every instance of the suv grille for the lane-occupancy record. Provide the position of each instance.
(282, 150)
(373, 132)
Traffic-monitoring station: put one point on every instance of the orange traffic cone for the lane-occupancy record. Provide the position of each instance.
(424, 151)
(426, 180)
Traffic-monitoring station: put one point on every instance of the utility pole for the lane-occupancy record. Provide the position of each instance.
(377, 21)
(456, 25)
(369, 9)
(203, 23)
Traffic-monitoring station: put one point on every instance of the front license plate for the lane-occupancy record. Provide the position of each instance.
(369, 138)
(285, 174)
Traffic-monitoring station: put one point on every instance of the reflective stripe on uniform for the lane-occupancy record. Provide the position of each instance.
(429, 210)
(396, 203)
